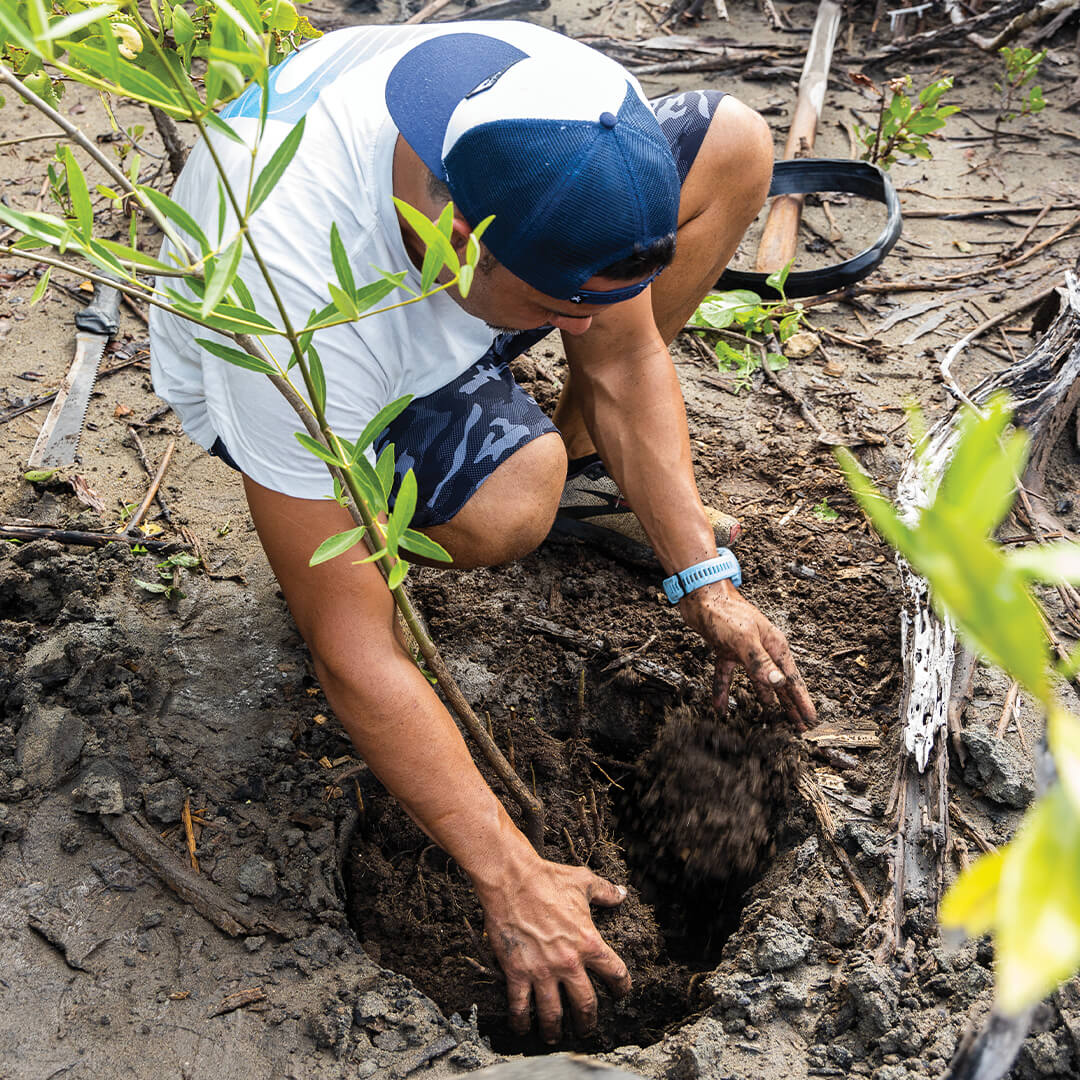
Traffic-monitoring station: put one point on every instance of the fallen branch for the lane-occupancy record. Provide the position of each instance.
(208, 899)
(163, 506)
(917, 44)
(1022, 21)
(82, 538)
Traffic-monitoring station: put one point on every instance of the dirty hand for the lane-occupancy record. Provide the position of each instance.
(740, 634)
(539, 924)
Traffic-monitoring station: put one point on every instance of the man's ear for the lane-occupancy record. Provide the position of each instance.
(460, 236)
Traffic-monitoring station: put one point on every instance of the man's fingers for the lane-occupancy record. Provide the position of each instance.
(602, 892)
(517, 1001)
(725, 669)
(548, 1011)
(582, 998)
(606, 963)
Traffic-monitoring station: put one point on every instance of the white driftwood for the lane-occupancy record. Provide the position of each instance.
(1045, 389)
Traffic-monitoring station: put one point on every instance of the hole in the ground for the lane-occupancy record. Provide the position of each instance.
(688, 821)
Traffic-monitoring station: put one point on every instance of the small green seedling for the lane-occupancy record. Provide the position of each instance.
(166, 571)
(1021, 66)
(758, 324)
(824, 512)
(903, 123)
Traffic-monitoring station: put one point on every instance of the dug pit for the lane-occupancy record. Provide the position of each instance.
(686, 815)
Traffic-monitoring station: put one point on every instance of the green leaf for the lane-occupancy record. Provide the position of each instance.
(343, 301)
(42, 226)
(422, 545)
(381, 420)
(39, 476)
(480, 229)
(96, 252)
(1038, 909)
(318, 380)
(16, 31)
(465, 279)
(337, 545)
(718, 311)
(236, 356)
(373, 557)
(176, 213)
(225, 317)
(277, 165)
(397, 574)
(361, 470)
(384, 470)
(70, 24)
(242, 293)
(404, 505)
(1050, 563)
(42, 285)
(212, 120)
(224, 272)
(778, 278)
(433, 258)
(971, 904)
(152, 586)
(183, 28)
(134, 255)
(341, 261)
(130, 80)
(317, 449)
(429, 235)
(369, 295)
(876, 507)
(397, 280)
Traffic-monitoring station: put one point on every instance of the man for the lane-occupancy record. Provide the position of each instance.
(589, 189)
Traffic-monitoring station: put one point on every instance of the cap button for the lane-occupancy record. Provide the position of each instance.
(607, 119)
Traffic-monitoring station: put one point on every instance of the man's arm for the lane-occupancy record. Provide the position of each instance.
(537, 912)
(633, 408)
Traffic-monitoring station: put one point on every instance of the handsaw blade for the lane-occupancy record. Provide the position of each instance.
(58, 440)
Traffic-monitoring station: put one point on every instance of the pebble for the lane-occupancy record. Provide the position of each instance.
(257, 877)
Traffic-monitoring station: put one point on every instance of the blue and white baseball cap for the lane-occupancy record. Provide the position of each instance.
(555, 139)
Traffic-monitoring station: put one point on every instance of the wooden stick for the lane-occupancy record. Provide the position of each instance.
(132, 526)
(145, 462)
(189, 833)
(83, 538)
(781, 233)
(1007, 710)
(427, 11)
(208, 899)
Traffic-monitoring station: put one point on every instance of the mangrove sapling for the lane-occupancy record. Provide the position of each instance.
(902, 123)
(1021, 66)
(743, 316)
(238, 43)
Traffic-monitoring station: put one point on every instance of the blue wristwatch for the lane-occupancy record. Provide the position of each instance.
(725, 565)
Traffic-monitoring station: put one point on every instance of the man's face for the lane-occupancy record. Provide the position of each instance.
(505, 302)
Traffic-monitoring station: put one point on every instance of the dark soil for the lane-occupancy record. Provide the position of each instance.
(688, 828)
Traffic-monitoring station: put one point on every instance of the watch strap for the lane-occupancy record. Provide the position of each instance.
(724, 566)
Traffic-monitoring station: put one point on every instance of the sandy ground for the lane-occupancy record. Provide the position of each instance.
(112, 694)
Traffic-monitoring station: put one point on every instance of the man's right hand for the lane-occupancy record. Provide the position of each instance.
(540, 926)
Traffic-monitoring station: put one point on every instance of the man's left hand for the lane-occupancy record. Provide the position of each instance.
(740, 634)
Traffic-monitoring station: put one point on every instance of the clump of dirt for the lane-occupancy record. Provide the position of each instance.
(695, 821)
(714, 789)
(702, 817)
